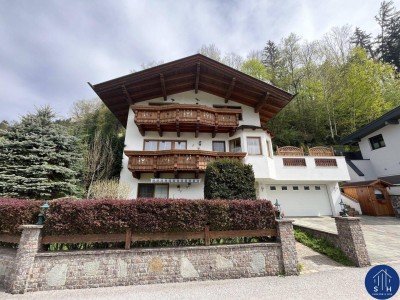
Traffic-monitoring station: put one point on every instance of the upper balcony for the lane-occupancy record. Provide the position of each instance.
(186, 118)
(174, 161)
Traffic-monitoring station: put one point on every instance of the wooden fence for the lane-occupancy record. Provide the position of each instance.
(128, 237)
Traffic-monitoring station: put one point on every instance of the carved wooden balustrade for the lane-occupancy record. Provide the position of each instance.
(321, 151)
(174, 161)
(186, 118)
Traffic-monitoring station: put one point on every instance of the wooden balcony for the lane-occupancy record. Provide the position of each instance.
(174, 161)
(186, 118)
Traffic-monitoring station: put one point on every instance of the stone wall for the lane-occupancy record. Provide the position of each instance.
(350, 239)
(7, 257)
(33, 270)
(89, 269)
(333, 238)
(396, 204)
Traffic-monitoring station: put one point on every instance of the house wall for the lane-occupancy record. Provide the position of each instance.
(385, 161)
(364, 166)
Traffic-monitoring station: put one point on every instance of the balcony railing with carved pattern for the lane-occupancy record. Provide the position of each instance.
(174, 161)
(186, 118)
(321, 151)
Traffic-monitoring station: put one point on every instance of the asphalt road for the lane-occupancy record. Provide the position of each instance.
(335, 284)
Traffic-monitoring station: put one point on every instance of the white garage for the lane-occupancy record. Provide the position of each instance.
(301, 200)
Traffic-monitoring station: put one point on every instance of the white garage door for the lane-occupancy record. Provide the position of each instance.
(301, 200)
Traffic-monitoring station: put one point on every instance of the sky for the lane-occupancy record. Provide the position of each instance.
(49, 50)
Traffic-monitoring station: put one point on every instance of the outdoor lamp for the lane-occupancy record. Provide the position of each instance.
(42, 214)
(278, 210)
(344, 210)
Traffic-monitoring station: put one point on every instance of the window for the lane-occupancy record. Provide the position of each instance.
(295, 188)
(235, 145)
(253, 146)
(378, 194)
(218, 146)
(180, 145)
(272, 188)
(284, 188)
(152, 190)
(231, 107)
(306, 188)
(377, 142)
(158, 145)
(164, 145)
(317, 188)
(269, 148)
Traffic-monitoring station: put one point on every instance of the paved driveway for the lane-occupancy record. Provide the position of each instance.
(381, 234)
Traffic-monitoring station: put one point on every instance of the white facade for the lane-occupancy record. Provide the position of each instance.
(379, 162)
(310, 190)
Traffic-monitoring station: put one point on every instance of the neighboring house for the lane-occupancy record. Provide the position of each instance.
(181, 115)
(379, 143)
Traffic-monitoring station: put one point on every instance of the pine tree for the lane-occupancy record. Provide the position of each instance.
(271, 60)
(361, 39)
(38, 159)
(388, 40)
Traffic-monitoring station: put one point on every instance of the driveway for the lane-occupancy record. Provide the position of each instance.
(381, 234)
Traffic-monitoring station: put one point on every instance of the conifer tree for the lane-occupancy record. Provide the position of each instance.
(38, 159)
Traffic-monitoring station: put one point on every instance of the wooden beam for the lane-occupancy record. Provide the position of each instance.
(196, 86)
(164, 91)
(261, 103)
(230, 89)
(128, 97)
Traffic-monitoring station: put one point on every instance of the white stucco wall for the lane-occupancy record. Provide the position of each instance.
(311, 172)
(267, 169)
(385, 161)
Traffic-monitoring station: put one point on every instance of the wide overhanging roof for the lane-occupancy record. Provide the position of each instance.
(196, 72)
(390, 117)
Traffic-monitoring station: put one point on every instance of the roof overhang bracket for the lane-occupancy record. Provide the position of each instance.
(261, 103)
(196, 86)
(230, 89)
(164, 90)
(128, 97)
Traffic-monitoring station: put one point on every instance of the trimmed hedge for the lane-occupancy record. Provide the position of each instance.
(16, 212)
(142, 215)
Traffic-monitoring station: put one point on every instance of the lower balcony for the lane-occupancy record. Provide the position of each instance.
(174, 161)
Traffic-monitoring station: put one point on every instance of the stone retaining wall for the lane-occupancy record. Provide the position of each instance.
(89, 269)
(7, 257)
(33, 270)
(396, 204)
(333, 238)
(349, 239)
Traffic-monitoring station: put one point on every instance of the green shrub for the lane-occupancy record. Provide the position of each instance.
(229, 179)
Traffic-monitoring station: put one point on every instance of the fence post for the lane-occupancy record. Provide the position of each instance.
(128, 239)
(288, 246)
(29, 245)
(207, 235)
(351, 240)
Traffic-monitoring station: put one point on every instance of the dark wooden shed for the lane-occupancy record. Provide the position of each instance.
(372, 195)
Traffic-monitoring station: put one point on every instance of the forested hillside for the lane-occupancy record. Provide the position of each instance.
(341, 82)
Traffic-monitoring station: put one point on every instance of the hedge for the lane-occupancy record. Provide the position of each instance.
(16, 212)
(144, 215)
(229, 179)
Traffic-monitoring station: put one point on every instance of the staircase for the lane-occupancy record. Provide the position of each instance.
(351, 211)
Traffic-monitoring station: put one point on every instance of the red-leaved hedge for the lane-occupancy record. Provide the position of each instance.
(144, 215)
(16, 212)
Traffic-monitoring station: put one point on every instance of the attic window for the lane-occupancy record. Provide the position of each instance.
(377, 142)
